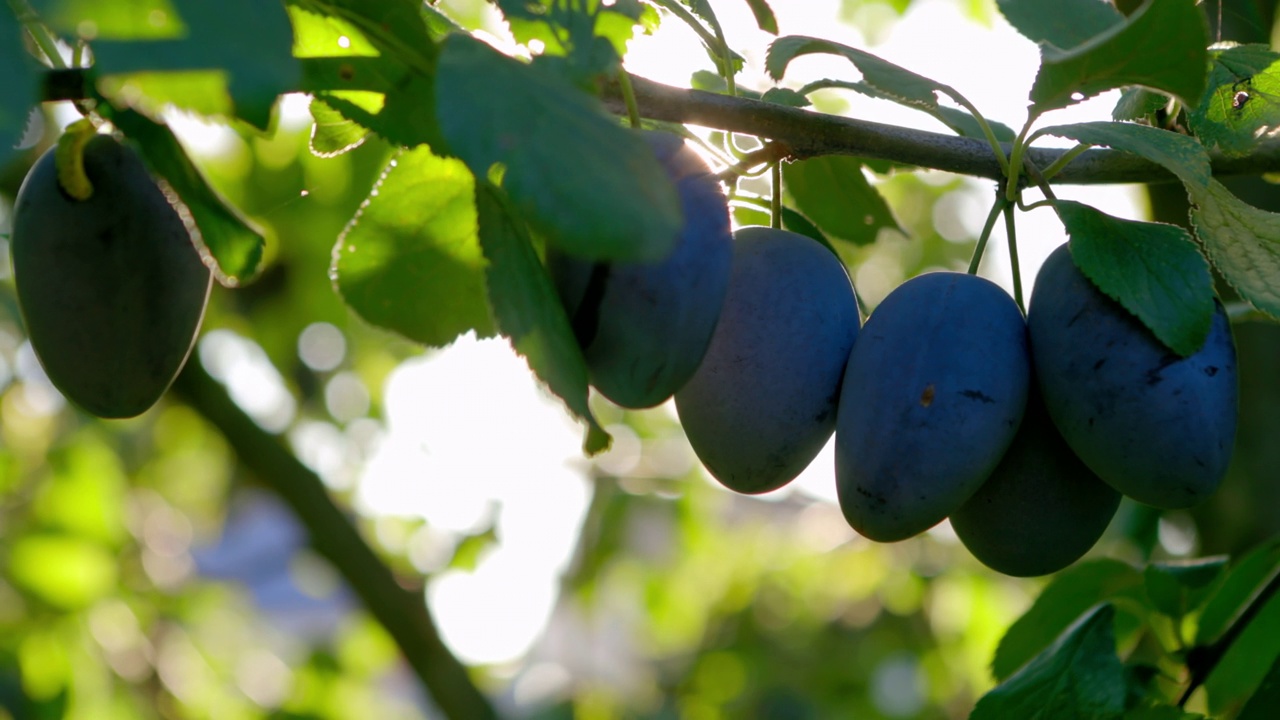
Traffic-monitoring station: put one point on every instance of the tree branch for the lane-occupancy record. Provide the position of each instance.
(404, 613)
(1202, 660)
(810, 134)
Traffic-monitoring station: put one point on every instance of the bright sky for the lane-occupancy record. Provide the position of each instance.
(470, 438)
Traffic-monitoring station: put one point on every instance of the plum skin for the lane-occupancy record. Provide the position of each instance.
(1042, 508)
(1157, 427)
(933, 394)
(111, 289)
(763, 402)
(644, 327)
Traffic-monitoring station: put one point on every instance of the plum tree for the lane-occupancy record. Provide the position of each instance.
(644, 327)
(1155, 426)
(111, 288)
(1041, 509)
(933, 394)
(763, 402)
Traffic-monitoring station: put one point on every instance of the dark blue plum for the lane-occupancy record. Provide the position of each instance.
(1155, 426)
(643, 327)
(111, 288)
(763, 401)
(933, 394)
(1041, 509)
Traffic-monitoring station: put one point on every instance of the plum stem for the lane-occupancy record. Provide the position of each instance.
(775, 202)
(629, 97)
(996, 208)
(1012, 233)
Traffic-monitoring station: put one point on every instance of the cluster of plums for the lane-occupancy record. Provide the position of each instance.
(111, 288)
(948, 403)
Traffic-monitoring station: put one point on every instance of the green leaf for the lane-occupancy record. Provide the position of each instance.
(785, 96)
(1153, 270)
(1179, 587)
(832, 192)
(1265, 699)
(248, 41)
(469, 551)
(765, 19)
(960, 121)
(1242, 101)
(1063, 23)
(590, 36)
(615, 204)
(1078, 676)
(410, 261)
(374, 62)
(133, 20)
(1161, 47)
(893, 82)
(1244, 665)
(1178, 153)
(67, 572)
(227, 237)
(1138, 103)
(1161, 712)
(1245, 577)
(203, 92)
(1243, 242)
(333, 134)
(527, 309)
(1071, 592)
(20, 88)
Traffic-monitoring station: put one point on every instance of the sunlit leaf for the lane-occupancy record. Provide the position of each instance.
(1078, 676)
(617, 202)
(1153, 270)
(134, 20)
(1243, 579)
(1161, 47)
(1178, 153)
(410, 260)
(832, 191)
(1062, 23)
(1071, 592)
(231, 244)
(1241, 104)
(527, 310)
(1179, 587)
(333, 134)
(1264, 701)
(67, 572)
(1243, 242)
(1246, 662)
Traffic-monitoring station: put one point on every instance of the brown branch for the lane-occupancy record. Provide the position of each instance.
(403, 612)
(810, 134)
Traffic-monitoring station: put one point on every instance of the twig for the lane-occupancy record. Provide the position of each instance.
(404, 613)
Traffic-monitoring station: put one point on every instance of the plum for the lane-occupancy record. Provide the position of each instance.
(763, 402)
(112, 289)
(643, 327)
(1041, 509)
(933, 394)
(1155, 426)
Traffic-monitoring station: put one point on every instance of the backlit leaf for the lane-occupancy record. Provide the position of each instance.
(1062, 23)
(832, 192)
(1243, 242)
(1241, 104)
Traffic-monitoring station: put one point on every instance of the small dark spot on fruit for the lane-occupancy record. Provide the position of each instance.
(978, 395)
(1098, 365)
(1211, 371)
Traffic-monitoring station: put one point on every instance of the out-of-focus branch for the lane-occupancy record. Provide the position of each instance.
(810, 134)
(402, 612)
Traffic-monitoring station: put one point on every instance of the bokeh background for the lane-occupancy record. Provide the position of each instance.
(146, 572)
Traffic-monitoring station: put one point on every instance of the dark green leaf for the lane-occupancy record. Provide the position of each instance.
(1178, 588)
(1063, 23)
(411, 261)
(960, 121)
(1242, 100)
(1161, 712)
(1071, 592)
(1178, 153)
(785, 96)
(1078, 676)
(832, 192)
(1243, 580)
(765, 19)
(333, 134)
(616, 204)
(18, 91)
(895, 83)
(1161, 47)
(1154, 270)
(1243, 242)
(1138, 103)
(1245, 664)
(230, 239)
(527, 309)
(1262, 705)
